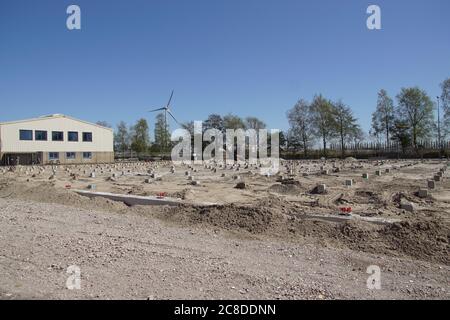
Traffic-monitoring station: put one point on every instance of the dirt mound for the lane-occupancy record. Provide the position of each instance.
(229, 217)
(424, 240)
(427, 240)
(289, 188)
(273, 217)
(48, 193)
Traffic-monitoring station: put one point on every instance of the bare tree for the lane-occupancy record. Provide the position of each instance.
(254, 123)
(214, 121)
(445, 98)
(346, 124)
(383, 118)
(300, 121)
(104, 124)
(122, 137)
(323, 120)
(231, 121)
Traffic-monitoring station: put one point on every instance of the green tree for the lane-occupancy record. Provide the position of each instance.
(140, 140)
(383, 118)
(401, 134)
(162, 134)
(122, 137)
(323, 120)
(415, 108)
(301, 127)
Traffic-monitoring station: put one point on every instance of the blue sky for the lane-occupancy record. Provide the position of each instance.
(248, 57)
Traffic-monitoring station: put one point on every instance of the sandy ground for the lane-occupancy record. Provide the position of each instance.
(136, 257)
(256, 243)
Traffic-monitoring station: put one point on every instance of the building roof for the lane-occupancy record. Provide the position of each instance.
(54, 116)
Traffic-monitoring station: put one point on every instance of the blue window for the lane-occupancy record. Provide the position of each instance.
(40, 135)
(70, 155)
(87, 155)
(53, 156)
(26, 134)
(87, 136)
(72, 136)
(57, 136)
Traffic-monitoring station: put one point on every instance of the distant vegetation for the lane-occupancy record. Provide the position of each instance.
(325, 128)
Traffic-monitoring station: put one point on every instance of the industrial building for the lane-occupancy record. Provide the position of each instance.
(55, 139)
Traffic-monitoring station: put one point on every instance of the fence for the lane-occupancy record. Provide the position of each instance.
(425, 149)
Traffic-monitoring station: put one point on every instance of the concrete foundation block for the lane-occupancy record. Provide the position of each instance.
(431, 184)
(240, 185)
(321, 188)
(407, 206)
(423, 193)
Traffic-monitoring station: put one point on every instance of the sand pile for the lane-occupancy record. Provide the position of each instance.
(425, 240)
(284, 188)
(48, 193)
(232, 217)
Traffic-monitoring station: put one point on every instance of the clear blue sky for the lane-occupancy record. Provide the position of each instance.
(248, 57)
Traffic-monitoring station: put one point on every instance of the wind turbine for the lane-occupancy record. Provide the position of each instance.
(166, 110)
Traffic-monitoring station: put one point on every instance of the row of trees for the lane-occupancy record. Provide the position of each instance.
(137, 138)
(323, 120)
(412, 119)
(407, 122)
(320, 122)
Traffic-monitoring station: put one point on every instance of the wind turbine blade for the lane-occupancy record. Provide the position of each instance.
(157, 109)
(170, 99)
(169, 112)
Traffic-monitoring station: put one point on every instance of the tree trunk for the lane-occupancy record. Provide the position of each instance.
(387, 136)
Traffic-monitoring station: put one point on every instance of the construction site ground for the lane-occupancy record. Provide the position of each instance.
(235, 234)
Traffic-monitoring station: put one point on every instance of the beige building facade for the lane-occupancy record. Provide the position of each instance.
(55, 139)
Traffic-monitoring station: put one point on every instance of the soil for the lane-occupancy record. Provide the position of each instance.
(252, 243)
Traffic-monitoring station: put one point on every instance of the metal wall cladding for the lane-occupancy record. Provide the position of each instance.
(102, 138)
